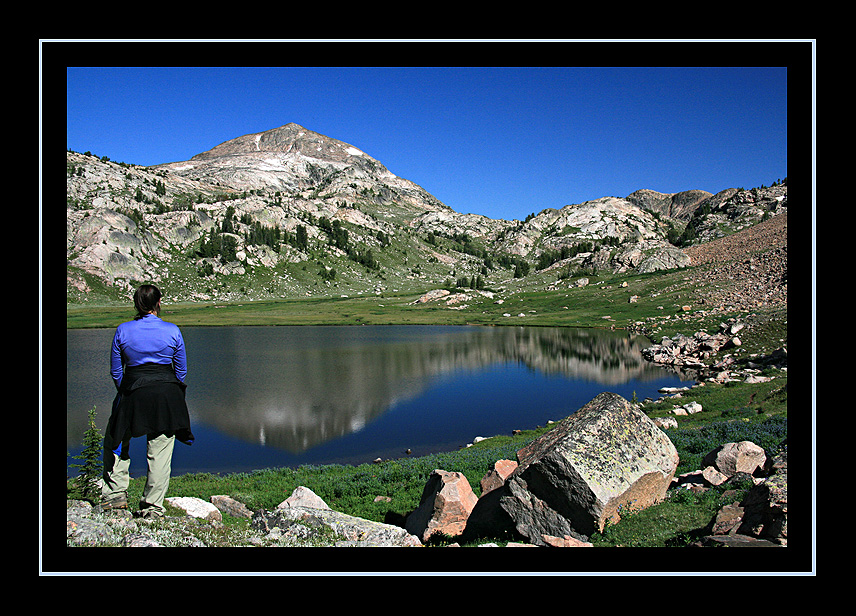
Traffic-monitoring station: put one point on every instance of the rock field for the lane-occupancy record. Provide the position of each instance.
(748, 269)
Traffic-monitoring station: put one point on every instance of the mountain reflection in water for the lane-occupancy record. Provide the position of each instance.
(331, 394)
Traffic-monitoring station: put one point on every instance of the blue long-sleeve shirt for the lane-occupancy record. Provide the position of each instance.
(147, 340)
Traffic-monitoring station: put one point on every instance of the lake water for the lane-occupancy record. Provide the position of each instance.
(264, 397)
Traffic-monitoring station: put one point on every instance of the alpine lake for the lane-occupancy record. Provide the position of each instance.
(276, 396)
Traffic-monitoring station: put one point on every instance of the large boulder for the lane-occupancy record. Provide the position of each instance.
(303, 497)
(766, 505)
(297, 521)
(196, 507)
(446, 503)
(605, 459)
(732, 458)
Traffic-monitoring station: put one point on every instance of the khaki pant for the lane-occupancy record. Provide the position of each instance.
(117, 477)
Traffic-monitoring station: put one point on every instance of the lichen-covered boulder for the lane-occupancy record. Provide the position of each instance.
(605, 459)
(297, 522)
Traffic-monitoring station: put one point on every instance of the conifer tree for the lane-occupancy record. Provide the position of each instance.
(89, 477)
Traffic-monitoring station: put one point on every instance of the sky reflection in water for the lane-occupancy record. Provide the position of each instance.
(282, 396)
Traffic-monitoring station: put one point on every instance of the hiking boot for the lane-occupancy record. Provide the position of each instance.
(116, 502)
(150, 514)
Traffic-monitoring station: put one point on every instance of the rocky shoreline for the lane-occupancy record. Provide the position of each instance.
(303, 520)
(698, 356)
(449, 506)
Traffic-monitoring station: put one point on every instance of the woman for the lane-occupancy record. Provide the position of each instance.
(148, 365)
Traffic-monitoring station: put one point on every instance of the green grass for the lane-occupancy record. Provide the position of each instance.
(676, 522)
(603, 303)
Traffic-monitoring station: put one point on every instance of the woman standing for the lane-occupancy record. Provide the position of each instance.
(148, 365)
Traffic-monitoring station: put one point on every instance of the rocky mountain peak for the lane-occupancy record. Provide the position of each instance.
(288, 139)
(295, 160)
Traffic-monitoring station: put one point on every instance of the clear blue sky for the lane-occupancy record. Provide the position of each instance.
(502, 142)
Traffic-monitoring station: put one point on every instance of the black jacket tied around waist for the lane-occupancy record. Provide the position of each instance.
(150, 400)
